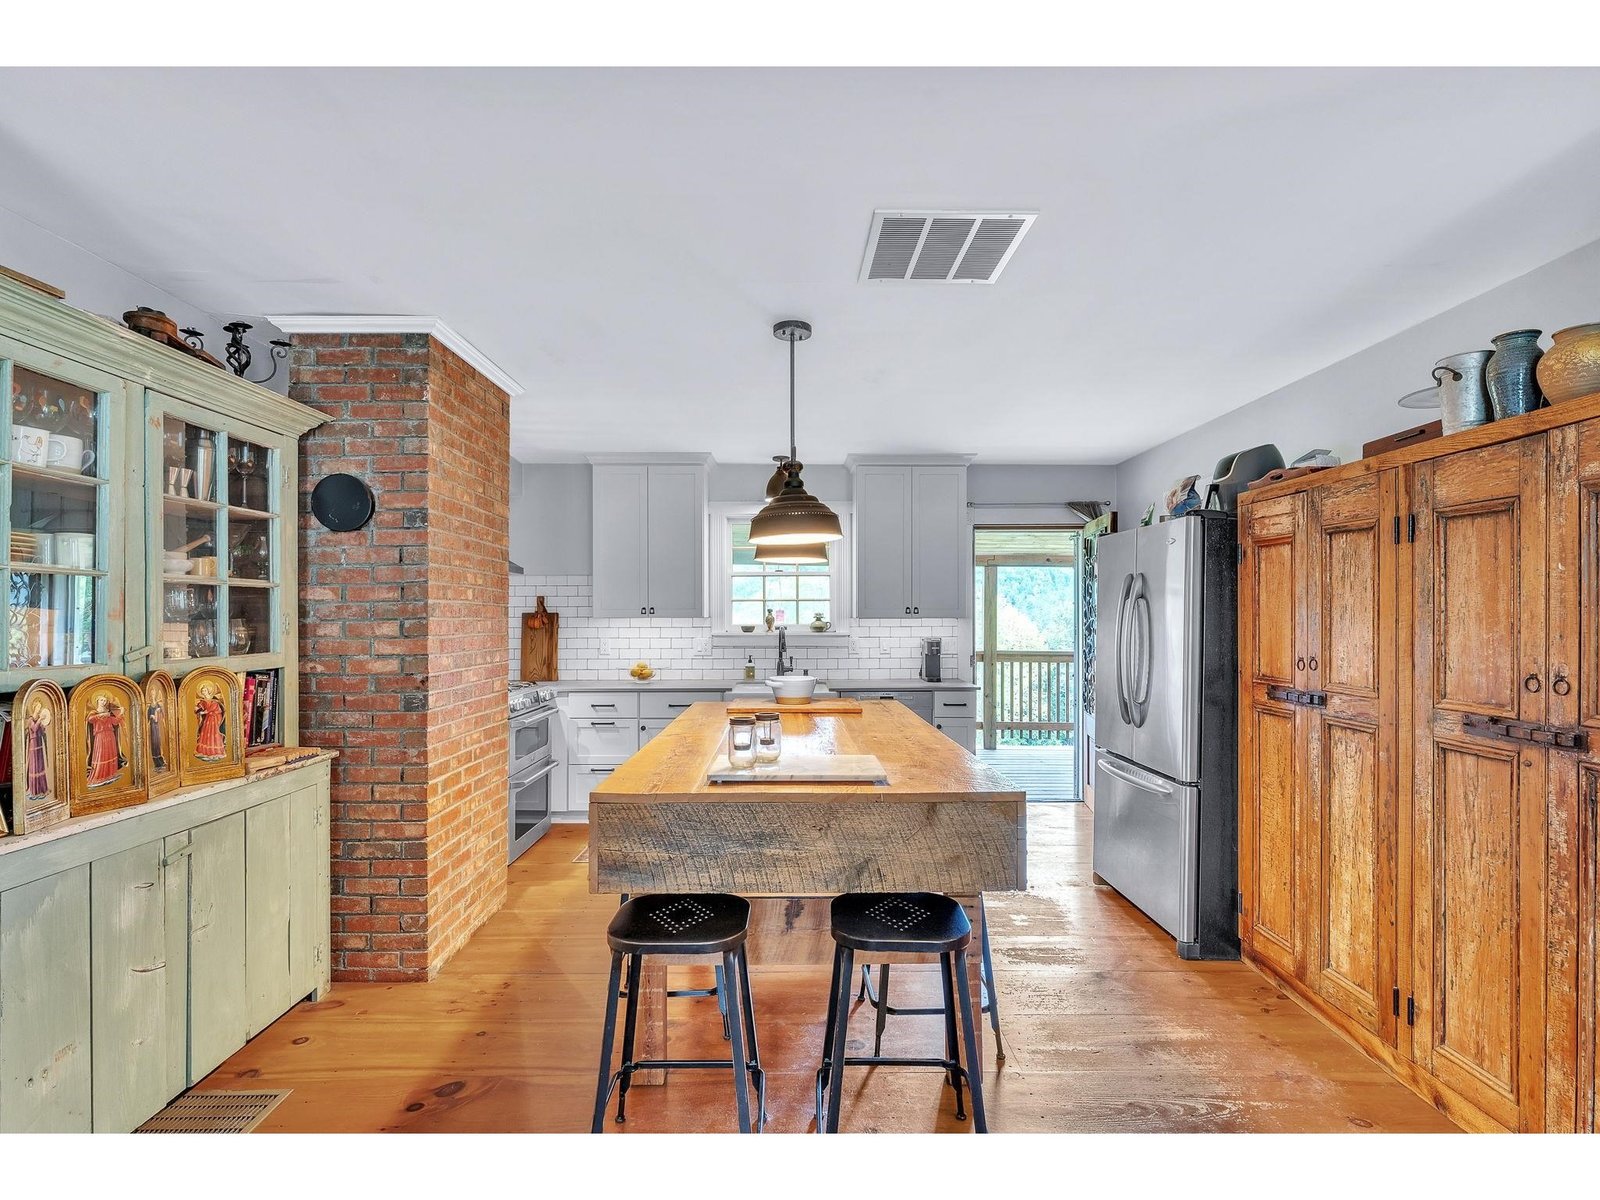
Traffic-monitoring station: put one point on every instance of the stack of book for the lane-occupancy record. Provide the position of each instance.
(261, 709)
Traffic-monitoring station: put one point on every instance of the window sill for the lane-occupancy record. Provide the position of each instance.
(834, 637)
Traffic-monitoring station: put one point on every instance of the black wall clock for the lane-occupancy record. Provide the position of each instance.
(342, 503)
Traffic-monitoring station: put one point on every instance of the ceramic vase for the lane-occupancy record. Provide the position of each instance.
(1571, 367)
(1463, 399)
(1513, 390)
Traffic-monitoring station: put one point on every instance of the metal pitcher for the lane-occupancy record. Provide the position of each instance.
(1463, 394)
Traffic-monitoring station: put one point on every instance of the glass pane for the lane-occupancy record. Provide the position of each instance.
(51, 620)
(188, 460)
(53, 520)
(248, 478)
(814, 587)
(782, 591)
(249, 548)
(189, 621)
(744, 554)
(1036, 608)
(54, 424)
(747, 612)
(188, 539)
(747, 587)
(250, 620)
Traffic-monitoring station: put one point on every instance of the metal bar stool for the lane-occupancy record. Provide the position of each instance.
(718, 989)
(900, 923)
(680, 924)
(878, 996)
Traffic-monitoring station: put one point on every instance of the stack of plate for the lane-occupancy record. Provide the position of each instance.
(24, 547)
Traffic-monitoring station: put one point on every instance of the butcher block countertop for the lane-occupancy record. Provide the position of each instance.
(922, 763)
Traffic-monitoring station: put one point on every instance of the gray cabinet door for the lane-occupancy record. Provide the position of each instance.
(621, 540)
(938, 523)
(219, 1020)
(676, 537)
(308, 898)
(129, 988)
(268, 979)
(883, 541)
(45, 1080)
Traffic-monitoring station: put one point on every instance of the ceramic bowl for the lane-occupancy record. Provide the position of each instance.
(747, 629)
(792, 689)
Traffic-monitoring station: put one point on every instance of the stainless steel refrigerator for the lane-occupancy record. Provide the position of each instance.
(1165, 796)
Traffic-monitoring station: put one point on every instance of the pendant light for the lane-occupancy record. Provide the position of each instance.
(817, 552)
(793, 517)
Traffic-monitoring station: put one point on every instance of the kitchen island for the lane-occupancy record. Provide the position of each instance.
(943, 823)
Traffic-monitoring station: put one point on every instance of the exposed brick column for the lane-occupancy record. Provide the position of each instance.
(394, 619)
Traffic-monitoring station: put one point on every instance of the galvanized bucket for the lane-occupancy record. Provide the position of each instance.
(1463, 394)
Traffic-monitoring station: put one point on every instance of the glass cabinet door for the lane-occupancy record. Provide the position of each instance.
(58, 553)
(217, 538)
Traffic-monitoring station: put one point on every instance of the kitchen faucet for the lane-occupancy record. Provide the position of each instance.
(783, 644)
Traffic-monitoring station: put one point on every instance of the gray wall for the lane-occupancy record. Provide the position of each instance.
(1008, 483)
(97, 286)
(1353, 401)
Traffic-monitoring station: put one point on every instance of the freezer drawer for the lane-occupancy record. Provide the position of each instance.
(1146, 842)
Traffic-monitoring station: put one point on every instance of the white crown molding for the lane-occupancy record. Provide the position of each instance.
(852, 461)
(398, 323)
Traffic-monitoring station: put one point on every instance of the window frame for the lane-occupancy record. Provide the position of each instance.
(722, 517)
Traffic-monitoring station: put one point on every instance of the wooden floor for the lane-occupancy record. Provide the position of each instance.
(1047, 773)
(1106, 1029)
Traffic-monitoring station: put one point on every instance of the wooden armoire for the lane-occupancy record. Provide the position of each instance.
(1419, 758)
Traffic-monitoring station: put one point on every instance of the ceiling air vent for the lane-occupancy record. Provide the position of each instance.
(941, 247)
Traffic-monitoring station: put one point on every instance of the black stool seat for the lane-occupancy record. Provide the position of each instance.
(674, 924)
(900, 922)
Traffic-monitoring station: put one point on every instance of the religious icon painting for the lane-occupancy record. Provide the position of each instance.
(106, 749)
(210, 741)
(161, 731)
(41, 784)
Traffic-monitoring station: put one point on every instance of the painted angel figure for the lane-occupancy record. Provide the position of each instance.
(210, 743)
(35, 734)
(106, 759)
(157, 716)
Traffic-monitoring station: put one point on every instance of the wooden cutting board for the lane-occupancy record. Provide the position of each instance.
(825, 707)
(806, 768)
(540, 630)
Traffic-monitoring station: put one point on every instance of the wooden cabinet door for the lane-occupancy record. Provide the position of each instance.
(883, 541)
(675, 534)
(621, 540)
(268, 978)
(129, 988)
(1272, 767)
(1349, 852)
(219, 1012)
(938, 525)
(1587, 992)
(308, 893)
(46, 1085)
(1479, 841)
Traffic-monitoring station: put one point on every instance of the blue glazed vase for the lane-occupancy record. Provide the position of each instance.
(1513, 390)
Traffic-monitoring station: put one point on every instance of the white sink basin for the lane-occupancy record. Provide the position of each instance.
(755, 689)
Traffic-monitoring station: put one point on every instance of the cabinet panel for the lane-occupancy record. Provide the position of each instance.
(45, 1061)
(1587, 990)
(219, 1020)
(676, 532)
(1274, 539)
(938, 523)
(621, 540)
(130, 988)
(268, 978)
(882, 525)
(962, 733)
(581, 780)
(1272, 870)
(309, 855)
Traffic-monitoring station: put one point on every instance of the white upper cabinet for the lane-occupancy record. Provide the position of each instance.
(650, 538)
(910, 526)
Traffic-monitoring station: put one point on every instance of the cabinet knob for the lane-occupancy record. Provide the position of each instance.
(908, 610)
(1531, 684)
(652, 610)
(1313, 663)
(641, 610)
(915, 609)
(1299, 664)
(1561, 686)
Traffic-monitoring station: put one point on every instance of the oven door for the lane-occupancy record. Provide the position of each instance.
(530, 739)
(529, 807)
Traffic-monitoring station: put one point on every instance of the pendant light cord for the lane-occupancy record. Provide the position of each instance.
(793, 452)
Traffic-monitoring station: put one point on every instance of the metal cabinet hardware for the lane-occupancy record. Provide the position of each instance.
(1300, 664)
(601, 724)
(1499, 729)
(1532, 684)
(1307, 699)
(1561, 686)
(1312, 663)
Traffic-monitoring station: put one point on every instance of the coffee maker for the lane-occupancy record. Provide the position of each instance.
(930, 659)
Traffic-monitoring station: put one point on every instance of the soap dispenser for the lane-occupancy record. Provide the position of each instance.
(749, 666)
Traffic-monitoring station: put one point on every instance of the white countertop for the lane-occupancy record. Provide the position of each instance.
(723, 684)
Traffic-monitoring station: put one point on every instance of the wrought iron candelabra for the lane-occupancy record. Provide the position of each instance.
(237, 353)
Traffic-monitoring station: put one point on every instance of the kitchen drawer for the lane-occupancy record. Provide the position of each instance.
(648, 729)
(583, 778)
(656, 705)
(596, 740)
(920, 703)
(958, 706)
(963, 733)
(600, 704)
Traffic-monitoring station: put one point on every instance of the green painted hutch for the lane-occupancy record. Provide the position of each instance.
(148, 518)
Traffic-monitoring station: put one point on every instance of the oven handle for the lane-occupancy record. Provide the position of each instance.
(540, 773)
(528, 719)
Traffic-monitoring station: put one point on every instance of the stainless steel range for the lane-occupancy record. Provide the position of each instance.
(532, 760)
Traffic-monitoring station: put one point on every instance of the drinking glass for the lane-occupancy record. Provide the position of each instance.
(741, 742)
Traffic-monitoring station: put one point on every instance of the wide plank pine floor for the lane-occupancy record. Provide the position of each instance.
(1105, 1029)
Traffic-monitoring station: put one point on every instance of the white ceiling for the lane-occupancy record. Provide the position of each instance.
(620, 241)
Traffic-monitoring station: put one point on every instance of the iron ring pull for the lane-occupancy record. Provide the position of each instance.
(1300, 664)
(1313, 662)
(1561, 686)
(1532, 684)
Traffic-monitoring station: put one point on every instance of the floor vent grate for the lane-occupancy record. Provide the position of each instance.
(214, 1112)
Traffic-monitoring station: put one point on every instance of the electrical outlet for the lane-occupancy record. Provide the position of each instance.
(855, 646)
(702, 647)
(885, 650)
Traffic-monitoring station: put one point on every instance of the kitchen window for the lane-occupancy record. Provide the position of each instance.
(795, 592)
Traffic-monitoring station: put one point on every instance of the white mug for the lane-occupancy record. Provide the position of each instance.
(28, 445)
(75, 550)
(67, 453)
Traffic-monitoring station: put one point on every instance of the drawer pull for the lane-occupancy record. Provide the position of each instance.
(601, 724)
(594, 704)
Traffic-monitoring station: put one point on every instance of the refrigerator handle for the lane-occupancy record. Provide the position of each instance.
(1156, 787)
(1144, 664)
(1122, 641)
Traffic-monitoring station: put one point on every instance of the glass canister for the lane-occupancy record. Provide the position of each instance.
(741, 742)
(769, 737)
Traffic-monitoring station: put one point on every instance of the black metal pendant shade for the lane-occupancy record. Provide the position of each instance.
(792, 516)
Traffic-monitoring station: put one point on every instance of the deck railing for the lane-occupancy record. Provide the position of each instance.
(1027, 697)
